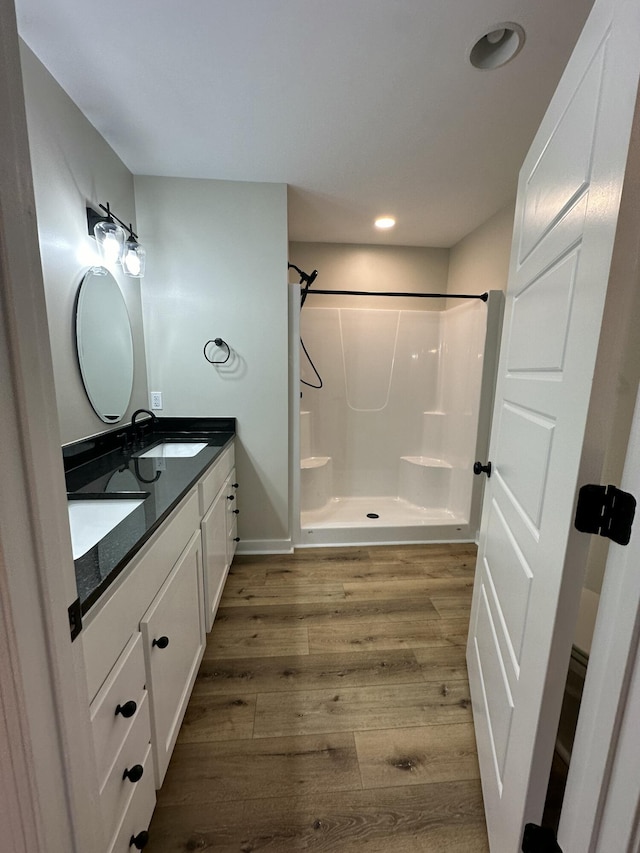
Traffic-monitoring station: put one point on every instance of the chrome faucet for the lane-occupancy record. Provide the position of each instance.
(137, 429)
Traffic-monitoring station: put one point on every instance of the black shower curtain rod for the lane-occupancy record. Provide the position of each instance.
(483, 296)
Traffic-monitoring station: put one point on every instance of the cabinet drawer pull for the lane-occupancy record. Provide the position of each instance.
(236, 539)
(231, 497)
(235, 511)
(140, 840)
(161, 642)
(133, 774)
(234, 485)
(128, 709)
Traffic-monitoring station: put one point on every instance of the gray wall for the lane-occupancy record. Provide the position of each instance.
(217, 267)
(480, 261)
(343, 266)
(73, 165)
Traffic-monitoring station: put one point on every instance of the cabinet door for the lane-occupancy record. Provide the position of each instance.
(174, 638)
(230, 489)
(214, 551)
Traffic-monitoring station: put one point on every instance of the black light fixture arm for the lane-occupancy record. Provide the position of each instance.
(93, 217)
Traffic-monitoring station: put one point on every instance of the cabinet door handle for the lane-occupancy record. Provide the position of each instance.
(231, 497)
(235, 485)
(140, 840)
(161, 642)
(133, 774)
(128, 709)
(235, 511)
(236, 539)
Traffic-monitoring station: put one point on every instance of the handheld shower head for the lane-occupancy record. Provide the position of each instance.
(306, 279)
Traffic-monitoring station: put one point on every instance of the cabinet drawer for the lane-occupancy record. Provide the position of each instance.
(173, 636)
(116, 791)
(137, 812)
(124, 685)
(106, 634)
(211, 484)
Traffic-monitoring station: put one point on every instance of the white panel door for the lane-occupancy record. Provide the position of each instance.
(566, 213)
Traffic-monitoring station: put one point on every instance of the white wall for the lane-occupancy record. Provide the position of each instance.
(72, 166)
(480, 261)
(217, 267)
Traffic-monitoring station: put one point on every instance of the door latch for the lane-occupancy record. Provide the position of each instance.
(607, 511)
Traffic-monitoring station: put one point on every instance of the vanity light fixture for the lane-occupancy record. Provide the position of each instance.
(134, 257)
(113, 244)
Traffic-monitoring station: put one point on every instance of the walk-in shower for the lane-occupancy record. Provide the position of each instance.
(387, 444)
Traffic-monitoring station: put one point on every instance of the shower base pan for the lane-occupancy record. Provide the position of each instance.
(347, 521)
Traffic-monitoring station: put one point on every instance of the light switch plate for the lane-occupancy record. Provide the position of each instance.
(156, 399)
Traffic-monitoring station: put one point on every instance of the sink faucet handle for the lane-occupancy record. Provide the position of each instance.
(124, 437)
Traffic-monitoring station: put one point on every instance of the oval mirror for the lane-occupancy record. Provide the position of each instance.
(104, 344)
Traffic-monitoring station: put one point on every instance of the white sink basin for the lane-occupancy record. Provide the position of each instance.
(169, 449)
(91, 520)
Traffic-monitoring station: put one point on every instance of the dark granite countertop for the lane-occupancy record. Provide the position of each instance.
(104, 466)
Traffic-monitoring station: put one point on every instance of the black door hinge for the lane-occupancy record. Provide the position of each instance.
(75, 619)
(539, 839)
(607, 511)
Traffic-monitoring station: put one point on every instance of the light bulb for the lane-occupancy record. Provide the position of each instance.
(110, 239)
(133, 261)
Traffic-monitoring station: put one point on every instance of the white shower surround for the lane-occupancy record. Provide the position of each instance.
(393, 431)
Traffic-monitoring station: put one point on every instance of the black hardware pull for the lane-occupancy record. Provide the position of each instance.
(234, 485)
(133, 774)
(140, 840)
(236, 539)
(231, 497)
(479, 468)
(235, 511)
(161, 642)
(128, 709)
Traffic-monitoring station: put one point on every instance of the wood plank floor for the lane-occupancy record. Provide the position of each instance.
(331, 712)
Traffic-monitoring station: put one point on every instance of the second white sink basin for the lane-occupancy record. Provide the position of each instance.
(169, 449)
(91, 520)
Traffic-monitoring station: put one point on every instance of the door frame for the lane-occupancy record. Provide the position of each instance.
(47, 790)
(604, 752)
(612, 438)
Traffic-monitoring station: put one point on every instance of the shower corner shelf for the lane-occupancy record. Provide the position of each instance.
(427, 461)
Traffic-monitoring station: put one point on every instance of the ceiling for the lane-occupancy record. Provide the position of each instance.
(363, 107)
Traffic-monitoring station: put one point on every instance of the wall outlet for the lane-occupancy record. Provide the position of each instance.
(156, 399)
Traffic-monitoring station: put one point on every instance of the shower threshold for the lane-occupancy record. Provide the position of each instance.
(347, 520)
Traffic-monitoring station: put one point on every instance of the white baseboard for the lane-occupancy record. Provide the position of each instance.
(265, 546)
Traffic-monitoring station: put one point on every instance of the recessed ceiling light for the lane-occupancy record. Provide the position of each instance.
(497, 46)
(385, 222)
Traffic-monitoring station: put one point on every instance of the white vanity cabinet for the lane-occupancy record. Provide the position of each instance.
(142, 645)
(173, 641)
(216, 565)
(121, 737)
(217, 502)
(232, 515)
